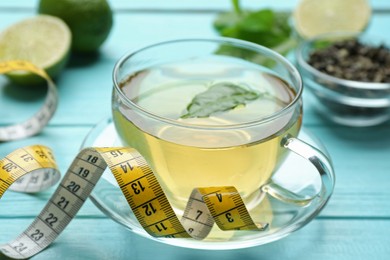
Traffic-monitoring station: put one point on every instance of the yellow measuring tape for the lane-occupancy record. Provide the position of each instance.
(36, 123)
(33, 168)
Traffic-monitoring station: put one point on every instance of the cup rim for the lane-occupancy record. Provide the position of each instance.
(358, 85)
(241, 43)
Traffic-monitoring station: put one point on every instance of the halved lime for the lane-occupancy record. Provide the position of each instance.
(315, 17)
(42, 40)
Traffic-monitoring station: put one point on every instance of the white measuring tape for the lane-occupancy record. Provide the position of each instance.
(33, 168)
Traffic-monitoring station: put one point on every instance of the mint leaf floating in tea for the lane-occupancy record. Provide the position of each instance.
(218, 98)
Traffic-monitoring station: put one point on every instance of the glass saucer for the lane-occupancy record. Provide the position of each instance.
(283, 218)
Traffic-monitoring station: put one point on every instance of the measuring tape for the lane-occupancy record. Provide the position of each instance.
(33, 169)
(36, 123)
(222, 205)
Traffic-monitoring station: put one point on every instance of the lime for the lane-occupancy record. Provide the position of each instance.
(315, 17)
(42, 40)
(89, 20)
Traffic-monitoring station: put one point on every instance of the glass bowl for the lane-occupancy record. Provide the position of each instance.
(347, 102)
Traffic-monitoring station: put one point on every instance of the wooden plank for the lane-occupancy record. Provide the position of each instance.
(320, 239)
(64, 141)
(362, 178)
(85, 86)
(360, 158)
(192, 5)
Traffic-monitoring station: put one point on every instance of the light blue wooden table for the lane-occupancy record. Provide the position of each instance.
(354, 225)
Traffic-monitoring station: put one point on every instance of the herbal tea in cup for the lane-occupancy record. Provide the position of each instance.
(203, 116)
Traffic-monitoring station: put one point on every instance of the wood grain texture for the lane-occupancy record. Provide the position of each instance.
(354, 225)
(321, 239)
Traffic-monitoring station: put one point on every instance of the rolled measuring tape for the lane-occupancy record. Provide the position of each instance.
(33, 169)
(36, 123)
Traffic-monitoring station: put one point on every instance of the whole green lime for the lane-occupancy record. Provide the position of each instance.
(90, 21)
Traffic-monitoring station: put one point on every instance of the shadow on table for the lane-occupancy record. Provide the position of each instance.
(23, 93)
(37, 92)
(368, 137)
(83, 59)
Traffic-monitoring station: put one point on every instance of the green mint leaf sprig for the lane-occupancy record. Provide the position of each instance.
(265, 27)
(218, 98)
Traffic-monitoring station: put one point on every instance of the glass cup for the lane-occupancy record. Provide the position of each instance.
(240, 145)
